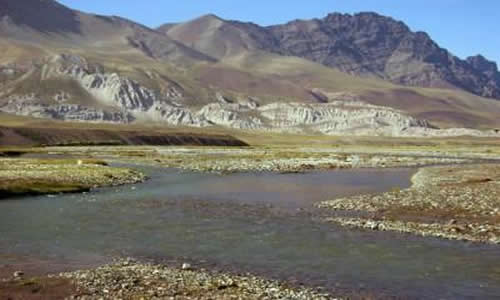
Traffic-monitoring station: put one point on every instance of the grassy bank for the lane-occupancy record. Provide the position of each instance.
(20, 177)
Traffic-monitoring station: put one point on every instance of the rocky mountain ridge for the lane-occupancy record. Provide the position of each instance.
(366, 44)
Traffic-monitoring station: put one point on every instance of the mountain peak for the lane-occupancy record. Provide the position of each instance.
(206, 19)
(211, 16)
(214, 36)
(39, 15)
(365, 19)
(482, 64)
(365, 43)
(369, 14)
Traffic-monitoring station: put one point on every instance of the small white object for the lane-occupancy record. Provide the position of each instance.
(79, 162)
(18, 274)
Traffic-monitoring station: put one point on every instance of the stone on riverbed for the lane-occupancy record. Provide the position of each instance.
(132, 280)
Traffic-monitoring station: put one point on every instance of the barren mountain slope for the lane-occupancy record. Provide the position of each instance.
(442, 107)
(364, 44)
(47, 23)
(371, 44)
(81, 67)
(219, 38)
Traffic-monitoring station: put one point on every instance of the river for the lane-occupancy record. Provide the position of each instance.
(258, 222)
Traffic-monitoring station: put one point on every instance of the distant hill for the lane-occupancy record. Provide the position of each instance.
(220, 38)
(48, 23)
(364, 44)
(364, 74)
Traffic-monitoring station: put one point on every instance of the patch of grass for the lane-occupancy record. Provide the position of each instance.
(36, 176)
(23, 187)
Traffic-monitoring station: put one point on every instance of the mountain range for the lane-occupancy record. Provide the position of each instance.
(342, 74)
(365, 44)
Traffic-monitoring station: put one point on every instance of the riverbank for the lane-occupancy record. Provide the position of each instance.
(223, 232)
(280, 159)
(22, 177)
(451, 202)
(94, 135)
(274, 153)
(128, 279)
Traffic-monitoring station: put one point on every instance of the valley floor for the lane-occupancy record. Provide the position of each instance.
(455, 195)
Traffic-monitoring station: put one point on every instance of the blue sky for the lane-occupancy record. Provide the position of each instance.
(465, 27)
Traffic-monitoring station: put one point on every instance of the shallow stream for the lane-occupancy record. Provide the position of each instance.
(250, 222)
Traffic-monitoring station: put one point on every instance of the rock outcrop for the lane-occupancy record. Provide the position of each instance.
(67, 112)
(339, 117)
(371, 44)
(121, 93)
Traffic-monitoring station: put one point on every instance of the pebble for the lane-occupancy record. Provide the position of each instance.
(285, 160)
(460, 203)
(131, 280)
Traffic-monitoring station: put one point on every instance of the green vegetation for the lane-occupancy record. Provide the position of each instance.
(20, 177)
(22, 187)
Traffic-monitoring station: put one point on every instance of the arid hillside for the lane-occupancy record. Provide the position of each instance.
(214, 73)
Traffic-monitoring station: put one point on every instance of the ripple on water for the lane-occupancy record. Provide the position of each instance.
(250, 222)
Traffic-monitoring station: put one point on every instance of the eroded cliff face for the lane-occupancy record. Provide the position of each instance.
(34, 107)
(119, 99)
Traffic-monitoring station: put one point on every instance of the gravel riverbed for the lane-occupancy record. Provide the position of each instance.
(259, 159)
(127, 279)
(452, 202)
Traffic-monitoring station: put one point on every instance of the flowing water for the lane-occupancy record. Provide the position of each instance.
(252, 222)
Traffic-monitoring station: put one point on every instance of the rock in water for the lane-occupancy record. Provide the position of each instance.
(18, 274)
